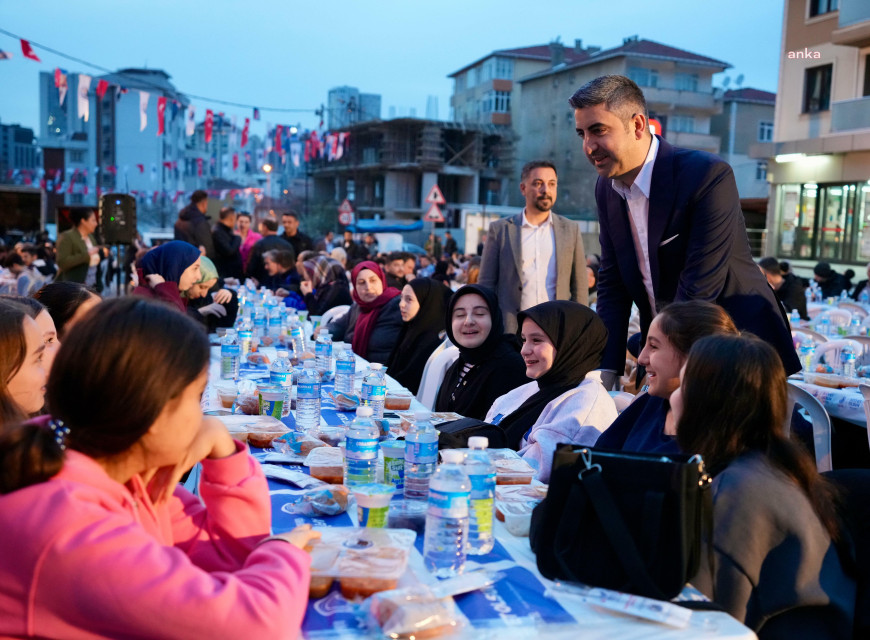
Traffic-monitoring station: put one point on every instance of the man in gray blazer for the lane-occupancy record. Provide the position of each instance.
(537, 255)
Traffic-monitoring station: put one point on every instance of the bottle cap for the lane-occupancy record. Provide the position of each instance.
(364, 412)
(325, 335)
(478, 442)
(451, 456)
(309, 364)
(283, 354)
(422, 416)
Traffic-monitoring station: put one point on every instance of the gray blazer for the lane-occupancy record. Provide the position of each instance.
(502, 264)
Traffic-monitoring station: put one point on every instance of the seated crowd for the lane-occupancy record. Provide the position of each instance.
(86, 492)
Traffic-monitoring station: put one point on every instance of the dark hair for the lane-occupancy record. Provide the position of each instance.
(536, 164)
(684, 323)
(618, 94)
(198, 196)
(292, 214)
(785, 266)
(77, 215)
(62, 299)
(226, 212)
(270, 224)
(30, 248)
(284, 259)
(13, 346)
(108, 397)
(12, 259)
(396, 255)
(771, 265)
(31, 306)
(735, 401)
(244, 214)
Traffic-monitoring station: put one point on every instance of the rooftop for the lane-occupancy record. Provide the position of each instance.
(749, 94)
(541, 52)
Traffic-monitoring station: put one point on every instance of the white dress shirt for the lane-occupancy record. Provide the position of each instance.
(637, 198)
(539, 262)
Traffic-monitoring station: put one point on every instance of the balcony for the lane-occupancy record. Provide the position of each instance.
(853, 24)
(849, 115)
(700, 141)
(671, 98)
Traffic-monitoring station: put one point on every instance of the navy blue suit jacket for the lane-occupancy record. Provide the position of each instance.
(698, 250)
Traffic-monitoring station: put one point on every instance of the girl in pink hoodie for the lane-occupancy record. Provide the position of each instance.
(99, 540)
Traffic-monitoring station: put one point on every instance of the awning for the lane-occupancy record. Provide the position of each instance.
(385, 226)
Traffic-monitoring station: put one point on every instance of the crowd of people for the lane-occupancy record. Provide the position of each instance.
(100, 409)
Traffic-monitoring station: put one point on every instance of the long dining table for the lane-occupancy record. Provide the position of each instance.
(521, 604)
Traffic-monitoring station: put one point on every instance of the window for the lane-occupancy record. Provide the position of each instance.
(502, 102)
(765, 132)
(504, 68)
(761, 171)
(820, 7)
(487, 70)
(684, 124)
(686, 81)
(459, 83)
(817, 88)
(644, 77)
(76, 156)
(473, 75)
(867, 75)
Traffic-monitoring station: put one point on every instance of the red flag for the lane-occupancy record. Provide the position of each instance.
(141, 168)
(102, 87)
(245, 132)
(72, 181)
(307, 150)
(156, 196)
(256, 113)
(199, 166)
(161, 115)
(43, 184)
(112, 169)
(27, 51)
(235, 162)
(279, 130)
(209, 124)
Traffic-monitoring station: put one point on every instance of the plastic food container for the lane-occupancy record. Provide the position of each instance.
(373, 502)
(364, 561)
(407, 514)
(333, 436)
(327, 464)
(297, 442)
(398, 400)
(394, 462)
(514, 506)
(510, 468)
(226, 393)
(259, 431)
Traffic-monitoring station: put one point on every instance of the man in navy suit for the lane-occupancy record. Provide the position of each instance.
(671, 227)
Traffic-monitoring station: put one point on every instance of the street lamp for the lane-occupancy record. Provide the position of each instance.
(268, 169)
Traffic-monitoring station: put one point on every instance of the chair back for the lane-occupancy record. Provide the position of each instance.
(800, 332)
(821, 424)
(864, 354)
(855, 309)
(621, 399)
(830, 351)
(814, 309)
(433, 373)
(838, 317)
(332, 314)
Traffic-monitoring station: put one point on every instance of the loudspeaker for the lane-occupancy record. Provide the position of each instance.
(118, 218)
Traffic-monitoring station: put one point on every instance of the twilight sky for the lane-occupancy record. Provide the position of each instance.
(288, 53)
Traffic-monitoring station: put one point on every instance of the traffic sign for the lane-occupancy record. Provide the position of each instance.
(434, 214)
(345, 218)
(345, 207)
(436, 197)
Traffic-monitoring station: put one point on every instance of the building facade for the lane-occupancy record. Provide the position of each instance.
(347, 106)
(19, 154)
(819, 160)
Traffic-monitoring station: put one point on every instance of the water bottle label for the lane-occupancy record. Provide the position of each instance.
(308, 390)
(323, 349)
(345, 366)
(259, 322)
(285, 379)
(296, 332)
(373, 391)
(361, 448)
(483, 482)
(246, 335)
(448, 504)
(421, 452)
(229, 350)
(482, 511)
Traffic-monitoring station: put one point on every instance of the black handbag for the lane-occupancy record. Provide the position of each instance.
(630, 522)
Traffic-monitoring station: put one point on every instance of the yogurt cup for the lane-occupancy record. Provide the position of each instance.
(394, 463)
(271, 400)
(373, 503)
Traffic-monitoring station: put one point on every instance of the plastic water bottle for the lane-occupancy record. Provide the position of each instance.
(345, 368)
(481, 506)
(855, 326)
(246, 337)
(844, 296)
(807, 351)
(259, 323)
(794, 318)
(323, 355)
(281, 373)
(275, 320)
(230, 356)
(308, 397)
(847, 361)
(444, 544)
(825, 326)
(374, 390)
(297, 336)
(361, 449)
(421, 456)
(808, 292)
(864, 297)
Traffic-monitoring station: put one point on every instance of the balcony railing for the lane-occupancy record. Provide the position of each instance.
(685, 99)
(849, 115)
(702, 141)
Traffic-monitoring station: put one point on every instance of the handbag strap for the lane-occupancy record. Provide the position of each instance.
(619, 536)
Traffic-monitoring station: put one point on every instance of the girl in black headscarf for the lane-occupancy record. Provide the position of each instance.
(422, 307)
(489, 363)
(565, 402)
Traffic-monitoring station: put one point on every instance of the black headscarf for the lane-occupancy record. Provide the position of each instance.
(579, 336)
(419, 336)
(496, 333)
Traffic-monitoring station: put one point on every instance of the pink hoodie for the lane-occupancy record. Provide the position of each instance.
(83, 556)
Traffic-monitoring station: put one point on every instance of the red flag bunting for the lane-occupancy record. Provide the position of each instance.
(199, 166)
(245, 132)
(235, 162)
(209, 124)
(161, 115)
(102, 87)
(141, 168)
(27, 51)
(279, 131)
